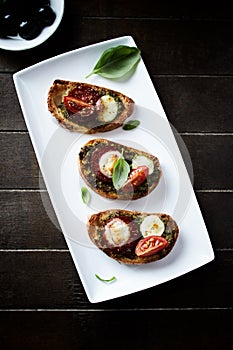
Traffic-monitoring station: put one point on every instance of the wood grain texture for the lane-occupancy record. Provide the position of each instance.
(49, 280)
(204, 101)
(197, 103)
(11, 114)
(209, 157)
(168, 47)
(160, 10)
(28, 220)
(78, 329)
(19, 168)
(215, 207)
(187, 49)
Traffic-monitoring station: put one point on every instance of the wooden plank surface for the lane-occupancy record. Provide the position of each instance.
(183, 98)
(52, 282)
(77, 330)
(209, 156)
(187, 49)
(29, 222)
(168, 47)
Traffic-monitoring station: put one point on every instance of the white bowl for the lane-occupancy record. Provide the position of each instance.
(18, 44)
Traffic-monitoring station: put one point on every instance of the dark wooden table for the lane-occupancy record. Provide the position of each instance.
(188, 51)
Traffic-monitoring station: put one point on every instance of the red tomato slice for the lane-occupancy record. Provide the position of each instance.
(79, 107)
(86, 94)
(150, 245)
(136, 178)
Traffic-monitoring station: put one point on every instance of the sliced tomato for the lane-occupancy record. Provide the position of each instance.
(86, 94)
(75, 106)
(136, 178)
(150, 245)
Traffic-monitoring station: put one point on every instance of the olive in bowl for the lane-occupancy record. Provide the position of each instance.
(24, 18)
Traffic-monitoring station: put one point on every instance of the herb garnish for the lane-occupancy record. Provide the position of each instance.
(120, 173)
(130, 125)
(104, 280)
(86, 197)
(116, 62)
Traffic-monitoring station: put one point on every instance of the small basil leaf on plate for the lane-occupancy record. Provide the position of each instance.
(112, 279)
(130, 125)
(86, 197)
(116, 62)
(120, 174)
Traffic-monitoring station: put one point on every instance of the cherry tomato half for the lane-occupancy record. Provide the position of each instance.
(136, 178)
(79, 107)
(86, 94)
(150, 245)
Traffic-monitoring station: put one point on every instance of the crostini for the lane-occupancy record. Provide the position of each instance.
(87, 108)
(133, 237)
(116, 171)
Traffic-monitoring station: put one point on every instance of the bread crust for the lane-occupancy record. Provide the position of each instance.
(84, 166)
(126, 254)
(61, 88)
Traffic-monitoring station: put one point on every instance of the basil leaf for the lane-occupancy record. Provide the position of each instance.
(132, 124)
(86, 197)
(104, 280)
(120, 173)
(116, 62)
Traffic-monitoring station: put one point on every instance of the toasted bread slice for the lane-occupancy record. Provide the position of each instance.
(133, 237)
(87, 108)
(96, 163)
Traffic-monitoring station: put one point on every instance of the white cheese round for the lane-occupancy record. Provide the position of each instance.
(107, 108)
(152, 226)
(107, 161)
(143, 160)
(117, 232)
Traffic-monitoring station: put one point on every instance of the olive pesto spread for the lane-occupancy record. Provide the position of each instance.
(89, 157)
(126, 252)
(87, 115)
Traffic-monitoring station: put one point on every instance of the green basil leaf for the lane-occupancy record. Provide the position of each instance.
(117, 61)
(132, 124)
(86, 197)
(120, 173)
(104, 280)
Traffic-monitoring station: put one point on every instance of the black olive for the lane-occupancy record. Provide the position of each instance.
(25, 18)
(15, 8)
(30, 10)
(40, 3)
(46, 15)
(8, 24)
(29, 30)
(25, 5)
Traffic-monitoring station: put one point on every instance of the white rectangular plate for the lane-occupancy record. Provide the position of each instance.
(57, 151)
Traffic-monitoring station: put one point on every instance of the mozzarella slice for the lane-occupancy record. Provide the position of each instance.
(143, 160)
(117, 232)
(107, 161)
(152, 226)
(107, 108)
